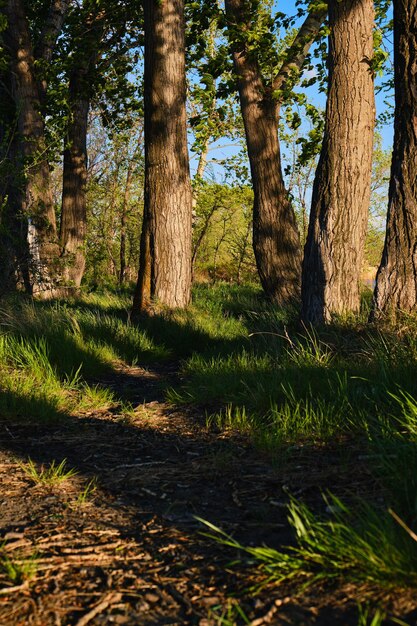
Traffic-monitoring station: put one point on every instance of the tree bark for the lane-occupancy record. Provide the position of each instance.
(396, 282)
(275, 235)
(73, 226)
(333, 255)
(166, 236)
(33, 198)
(9, 227)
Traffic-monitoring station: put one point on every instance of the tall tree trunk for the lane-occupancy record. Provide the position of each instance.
(168, 196)
(396, 282)
(34, 197)
(9, 225)
(74, 211)
(275, 235)
(334, 250)
(123, 224)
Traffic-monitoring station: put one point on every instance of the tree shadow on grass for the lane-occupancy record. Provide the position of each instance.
(155, 475)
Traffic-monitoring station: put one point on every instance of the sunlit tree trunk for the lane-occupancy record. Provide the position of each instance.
(334, 250)
(165, 259)
(396, 283)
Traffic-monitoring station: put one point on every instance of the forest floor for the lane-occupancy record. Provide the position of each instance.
(107, 478)
(132, 551)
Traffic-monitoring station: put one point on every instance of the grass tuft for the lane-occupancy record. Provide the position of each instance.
(17, 570)
(51, 475)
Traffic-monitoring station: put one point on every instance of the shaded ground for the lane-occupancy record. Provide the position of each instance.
(131, 551)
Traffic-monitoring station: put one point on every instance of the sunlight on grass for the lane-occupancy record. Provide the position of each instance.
(47, 350)
(256, 372)
(50, 475)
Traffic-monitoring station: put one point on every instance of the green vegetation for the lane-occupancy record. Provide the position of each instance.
(17, 570)
(50, 351)
(52, 475)
(255, 371)
(288, 387)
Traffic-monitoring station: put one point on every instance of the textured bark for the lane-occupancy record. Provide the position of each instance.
(275, 235)
(73, 226)
(168, 196)
(396, 283)
(51, 30)
(333, 255)
(33, 198)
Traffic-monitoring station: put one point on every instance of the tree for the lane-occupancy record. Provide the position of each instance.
(396, 283)
(375, 235)
(115, 184)
(85, 43)
(275, 235)
(30, 211)
(165, 256)
(333, 255)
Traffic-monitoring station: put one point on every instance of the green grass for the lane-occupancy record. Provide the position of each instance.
(50, 475)
(255, 371)
(17, 570)
(358, 544)
(49, 351)
(362, 542)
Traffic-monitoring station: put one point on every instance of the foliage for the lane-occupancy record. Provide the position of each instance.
(222, 235)
(115, 202)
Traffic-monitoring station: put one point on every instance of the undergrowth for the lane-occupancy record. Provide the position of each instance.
(256, 371)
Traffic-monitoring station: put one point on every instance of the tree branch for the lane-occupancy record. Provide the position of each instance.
(298, 51)
(53, 26)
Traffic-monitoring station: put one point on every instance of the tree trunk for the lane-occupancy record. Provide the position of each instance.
(276, 239)
(142, 299)
(123, 224)
(333, 256)
(34, 197)
(168, 196)
(9, 225)
(74, 211)
(396, 282)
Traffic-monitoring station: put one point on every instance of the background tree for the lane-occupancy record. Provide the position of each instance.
(30, 215)
(265, 82)
(333, 255)
(97, 55)
(222, 235)
(114, 202)
(375, 235)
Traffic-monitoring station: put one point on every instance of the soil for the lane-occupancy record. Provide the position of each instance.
(131, 549)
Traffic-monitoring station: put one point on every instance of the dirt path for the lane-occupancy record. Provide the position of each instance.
(132, 551)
